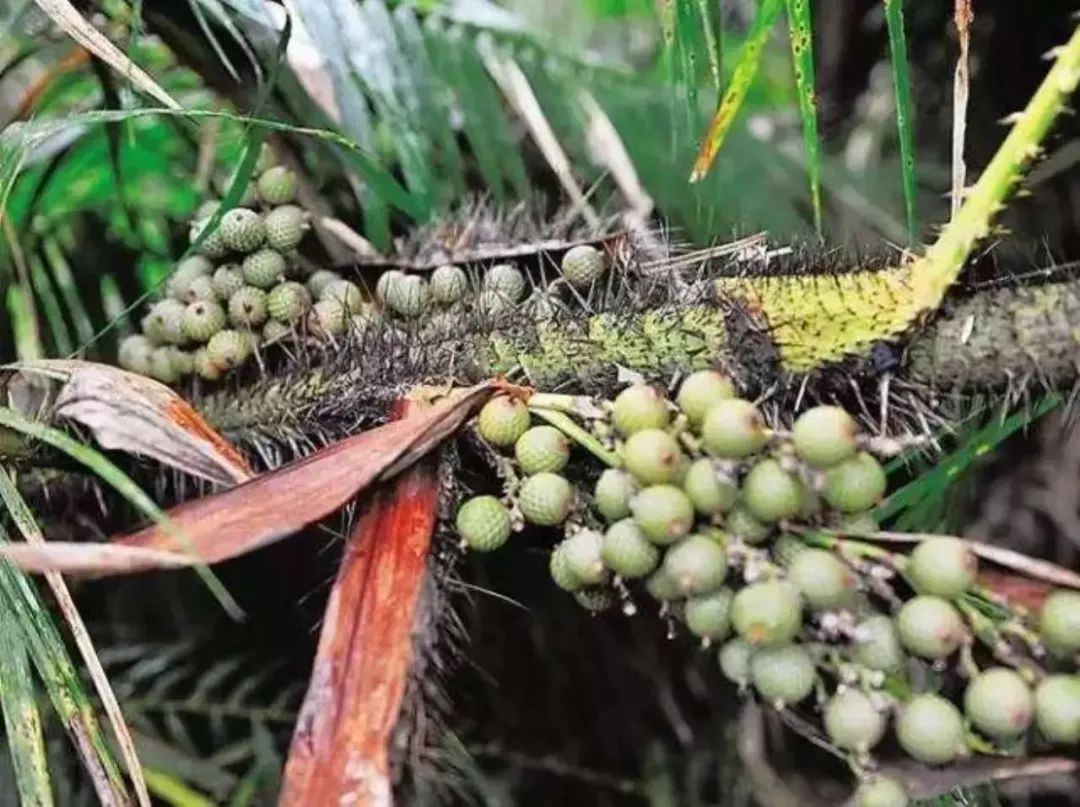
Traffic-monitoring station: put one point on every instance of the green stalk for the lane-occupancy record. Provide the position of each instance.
(894, 21)
(802, 58)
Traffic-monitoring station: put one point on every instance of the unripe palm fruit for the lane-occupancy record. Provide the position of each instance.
(639, 407)
(213, 246)
(285, 227)
(264, 268)
(494, 304)
(228, 279)
(320, 279)
(930, 729)
(711, 493)
(328, 318)
(228, 349)
(743, 524)
(202, 320)
(661, 586)
(824, 580)
(273, 331)
(999, 703)
(855, 484)
(505, 280)
(542, 448)
(709, 615)
(1057, 709)
(448, 285)
(697, 564)
(206, 209)
(200, 288)
(242, 230)
(614, 490)
(582, 265)
(930, 627)
(771, 493)
(627, 552)
(663, 512)
(782, 674)
(385, 281)
(165, 322)
(595, 600)
(702, 390)
(943, 566)
(247, 308)
(288, 302)
(1059, 622)
(582, 551)
(852, 722)
(204, 367)
(653, 456)
(186, 271)
(734, 659)
(545, 499)
(407, 296)
(502, 421)
(277, 185)
(733, 428)
(162, 367)
(346, 292)
(767, 613)
(881, 791)
(825, 436)
(560, 571)
(877, 644)
(134, 354)
(266, 160)
(483, 522)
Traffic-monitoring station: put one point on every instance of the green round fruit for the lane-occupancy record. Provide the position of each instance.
(228, 279)
(502, 421)
(771, 493)
(134, 354)
(408, 296)
(560, 572)
(213, 246)
(242, 230)
(734, 659)
(186, 271)
(877, 644)
(711, 492)
(266, 160)
(545, 499)
(202, 320)
(505, 280)
(639, 407)
(494, 305)
(612, 494)
(273, 331)
(943, 566)
(733, 428)
(744, 525)
(328, 318)
(855, 484)
(228, 349)
(449, 284)
(288, 302)
(1057, 709)
(1059, 622)
(697, 564)
(320, 279)
(162, 367)
(653, 456)
(930, 729)
(483, 522)
(542, 448)
(702, 390)
(825, 436)
(285, 227)
(247, 308)
(264, 268)
(825, 581)
(782, 674)
(930, 627)
(858, 523)
(852, 722)
(767, 613)
(277, 186)
(200, 288)
(206, 209)
(582, 265)
(709, 615)
(881, 791)
(582, 552)
(595, 600)
(999, 703)
(164, 323)
(663, 512)
(204, 367)
(627, 552)
(345, 292)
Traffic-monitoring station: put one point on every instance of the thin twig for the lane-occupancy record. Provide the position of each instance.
(963, 17)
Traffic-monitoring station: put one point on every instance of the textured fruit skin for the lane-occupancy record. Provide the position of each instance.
(881, 791)
(661, 586)
(164, 323)
(288, 302)
(709, 616)
(1057, 709)
(999, 703)
(202, 320)
(663, 512)
(582, 553)
(582, 265)
(545, 499)
(930, 729)
(134, 354)
(542, 448)
(272, 330)
(855, 484)
(943, 566)
(242, 230)
(697, 564)
(264, 268)
(595, 600)
(560, 572)
(627, 552)
(734, 659)
(825, 436)
(345, 292)
(247, 308)
(276, 186)
(700, 391)
(502, 421)
(505, 280)
(1059, 622)
(448, 285)
(824, 580)
(710, 493)
(767, 613)
(228, 349)
(930, 627)
(743, 524)
(205, 368)
(321, 278)
(483, 522)
(612, 494)
(877, 645)
(782, 674)
(200, 288)
(186, 271)
(733, 428)
(328, 318)
(227, 280)
(285, 227)
(771, 493)
(408, 296)
(652, 456)
(213, 246)
(162, 367)
(852, 722)
(639, 407)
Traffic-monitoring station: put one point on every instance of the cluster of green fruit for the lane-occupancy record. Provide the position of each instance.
(737, 530)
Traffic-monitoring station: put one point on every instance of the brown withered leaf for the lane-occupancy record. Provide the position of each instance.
(924, 782)
(135, 414)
